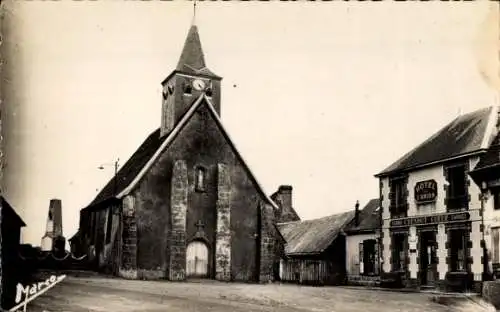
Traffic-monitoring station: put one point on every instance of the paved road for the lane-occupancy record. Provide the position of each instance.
(105, 294)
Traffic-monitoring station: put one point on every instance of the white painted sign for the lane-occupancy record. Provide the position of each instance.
(32, 291)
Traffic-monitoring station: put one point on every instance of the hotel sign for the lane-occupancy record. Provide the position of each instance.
(426, 191)
(434, 219)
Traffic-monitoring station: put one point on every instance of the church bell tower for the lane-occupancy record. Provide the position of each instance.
(190, 78)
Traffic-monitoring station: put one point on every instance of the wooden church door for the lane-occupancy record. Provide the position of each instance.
(197, 259)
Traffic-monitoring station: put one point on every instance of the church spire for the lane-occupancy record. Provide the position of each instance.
(192, 57)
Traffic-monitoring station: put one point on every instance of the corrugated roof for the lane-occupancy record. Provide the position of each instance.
(313, 236)
(369, 218)
(462, 136)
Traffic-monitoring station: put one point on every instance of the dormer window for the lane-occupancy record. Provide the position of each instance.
(200, 179)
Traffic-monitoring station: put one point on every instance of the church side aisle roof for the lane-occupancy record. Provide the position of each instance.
(131, 168)
(465, 135)
(136, 167)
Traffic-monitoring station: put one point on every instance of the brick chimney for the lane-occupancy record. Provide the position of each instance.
(356, 213)
(285, 197)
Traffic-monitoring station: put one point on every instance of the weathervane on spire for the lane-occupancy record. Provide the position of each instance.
(194, 13)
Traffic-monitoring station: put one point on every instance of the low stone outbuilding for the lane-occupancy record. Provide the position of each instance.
(315, 250)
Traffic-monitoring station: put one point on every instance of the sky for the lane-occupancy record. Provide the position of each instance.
(317, 95)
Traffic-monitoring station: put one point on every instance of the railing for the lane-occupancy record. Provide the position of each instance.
(49, 260)
(398, 210)
(455, 203)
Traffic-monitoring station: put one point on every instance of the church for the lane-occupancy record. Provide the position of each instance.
(186, 205)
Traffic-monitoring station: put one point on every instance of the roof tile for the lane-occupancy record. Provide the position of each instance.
(461, 136)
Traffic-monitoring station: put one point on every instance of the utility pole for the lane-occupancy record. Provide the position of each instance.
(116, 165)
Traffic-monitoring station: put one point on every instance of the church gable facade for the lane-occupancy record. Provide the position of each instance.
(185, 205)
(198, 211)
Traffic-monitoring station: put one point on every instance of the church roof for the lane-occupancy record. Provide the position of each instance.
(465, 135)
(192, 59)
(141, 161)
(131, 168)
(313, 236)
(369, 218)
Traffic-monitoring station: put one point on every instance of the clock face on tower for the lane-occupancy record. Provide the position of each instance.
(198, 84)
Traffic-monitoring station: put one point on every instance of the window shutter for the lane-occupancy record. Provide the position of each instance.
(495, 244)
(361, 268)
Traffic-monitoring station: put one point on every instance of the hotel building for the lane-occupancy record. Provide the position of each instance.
(440, 208)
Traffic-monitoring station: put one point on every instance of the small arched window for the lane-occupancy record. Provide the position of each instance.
(209, 92)
(200, 179)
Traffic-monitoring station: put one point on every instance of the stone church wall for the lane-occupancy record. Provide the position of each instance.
(199, 144)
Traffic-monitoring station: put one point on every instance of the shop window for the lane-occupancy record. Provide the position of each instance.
(458, 248)
(457, 189)
(398, 252)
(495, 245)
(495, 192)
(367, 256)
(200, 179)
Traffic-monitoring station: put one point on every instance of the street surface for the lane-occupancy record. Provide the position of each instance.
(92, 294)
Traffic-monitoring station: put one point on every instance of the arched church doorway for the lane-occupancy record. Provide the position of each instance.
(197, 259)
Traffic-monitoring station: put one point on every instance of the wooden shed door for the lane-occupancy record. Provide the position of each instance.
(197, 259)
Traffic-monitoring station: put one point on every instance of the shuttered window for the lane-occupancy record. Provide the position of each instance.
(361, 256)
(496, 198)
(398, 196)
(495, 242)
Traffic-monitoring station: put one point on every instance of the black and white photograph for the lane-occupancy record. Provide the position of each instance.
(289, 156)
